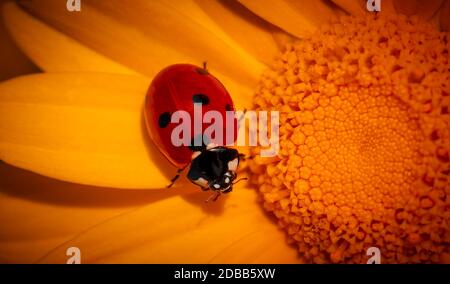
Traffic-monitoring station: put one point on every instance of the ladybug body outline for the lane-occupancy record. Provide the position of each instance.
(179, 87)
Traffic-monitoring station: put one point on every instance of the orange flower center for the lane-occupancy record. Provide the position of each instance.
(364, 141)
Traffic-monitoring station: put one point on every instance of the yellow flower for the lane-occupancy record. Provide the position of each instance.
(80, 124)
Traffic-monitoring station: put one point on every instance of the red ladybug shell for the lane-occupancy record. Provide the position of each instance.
(174, 89)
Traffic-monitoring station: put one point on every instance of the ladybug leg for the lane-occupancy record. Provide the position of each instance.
(213, 197)
(174, 179)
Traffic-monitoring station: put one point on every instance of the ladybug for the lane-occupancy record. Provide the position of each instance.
(185, 87)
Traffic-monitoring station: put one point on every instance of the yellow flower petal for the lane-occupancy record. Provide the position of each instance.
(84, 128)
(425, 9)
(354, 7)
(149, 35)
(387, 7)
(298, 17)
(186, 230)
(13, 61)
(38, 214)
(250, 31)
(135, 46)
(54, 51)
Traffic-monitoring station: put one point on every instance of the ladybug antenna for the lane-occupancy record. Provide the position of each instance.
(240, 180)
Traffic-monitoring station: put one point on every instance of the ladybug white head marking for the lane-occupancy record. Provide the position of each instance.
(226, 182)
(211, 146)
(203, 183)
(195, 154)
(233, 164)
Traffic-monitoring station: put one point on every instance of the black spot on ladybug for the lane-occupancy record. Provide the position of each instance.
(200, 99)
(202, 71)
(228, 107)
(164, 119)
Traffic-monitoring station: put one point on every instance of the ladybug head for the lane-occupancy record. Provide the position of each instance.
(224, 183)
(215, 169)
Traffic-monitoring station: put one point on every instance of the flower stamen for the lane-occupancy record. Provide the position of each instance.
(364, 141)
